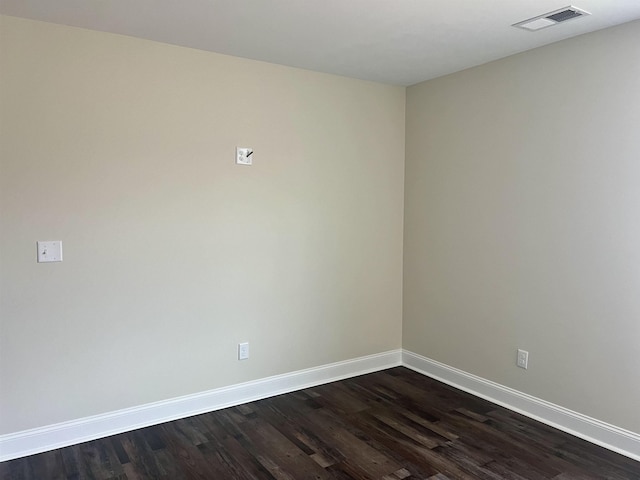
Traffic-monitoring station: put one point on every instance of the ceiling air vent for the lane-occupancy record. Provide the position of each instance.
(551, 18)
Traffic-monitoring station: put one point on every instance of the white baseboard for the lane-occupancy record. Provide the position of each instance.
(37, 440)
(608, 436)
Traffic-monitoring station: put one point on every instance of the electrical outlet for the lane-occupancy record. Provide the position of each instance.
(523, 359)
(243, 351)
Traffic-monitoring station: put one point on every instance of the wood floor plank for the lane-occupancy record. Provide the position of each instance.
(191, 459)
(556, 447)
(414, 431)
(75, 464)
(527, 466)
(229, 450)
(278, 455)
(300, 434)
(140, 455)
(340, 399)
(473, 432)
(15, 469)
(401, 448)
(390, 425)
(355, 448)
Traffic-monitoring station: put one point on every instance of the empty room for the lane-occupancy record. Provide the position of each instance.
(269, 239)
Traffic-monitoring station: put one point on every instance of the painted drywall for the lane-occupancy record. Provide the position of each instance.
(522, 225)
(123, 149)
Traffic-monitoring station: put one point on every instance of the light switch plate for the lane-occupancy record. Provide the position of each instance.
(50, 251)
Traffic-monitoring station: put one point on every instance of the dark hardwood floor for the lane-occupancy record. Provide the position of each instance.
(391, 425)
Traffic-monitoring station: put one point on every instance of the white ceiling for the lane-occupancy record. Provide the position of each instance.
(399, 42)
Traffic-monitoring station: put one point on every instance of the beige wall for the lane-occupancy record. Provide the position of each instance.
(522, 222)
(124, 150)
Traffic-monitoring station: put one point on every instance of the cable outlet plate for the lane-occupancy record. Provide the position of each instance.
(244, 156)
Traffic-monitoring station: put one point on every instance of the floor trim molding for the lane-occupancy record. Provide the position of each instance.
(595, 431)
(38, 440)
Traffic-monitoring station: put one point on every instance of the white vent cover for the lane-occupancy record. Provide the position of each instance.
(551, 18)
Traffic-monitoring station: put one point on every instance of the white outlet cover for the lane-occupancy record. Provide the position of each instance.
(523, 359)
(49, 251)
(243, 351)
